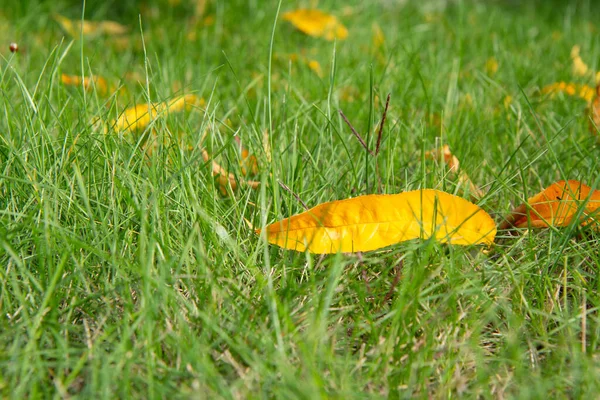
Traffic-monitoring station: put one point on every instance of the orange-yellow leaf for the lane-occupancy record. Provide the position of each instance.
(556, 206)
(374, 221)
(139, 116)
(88, 83)
(75, 28)
(316, 23)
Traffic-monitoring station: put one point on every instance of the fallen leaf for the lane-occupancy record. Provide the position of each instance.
(225, 178)
(454, 166)
(89, 28)
(582, 91)
(248, 163)
(579, 67)
(139, 116)
(378, 36)
(316, 23)
(556, 206)
(445, 154)
(374, 221)
(88, 83)
(491, 66)
(315, 67)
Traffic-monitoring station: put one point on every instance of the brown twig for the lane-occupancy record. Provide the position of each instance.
(390, 292)
(360, 139)
(283, 185)
(380, 133)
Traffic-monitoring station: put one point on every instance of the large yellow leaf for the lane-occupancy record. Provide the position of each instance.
(139, 116)
(317, 23)
(88, 28)
(371, 222)
(556, 206)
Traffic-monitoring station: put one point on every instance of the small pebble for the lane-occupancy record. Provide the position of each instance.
(13, 47)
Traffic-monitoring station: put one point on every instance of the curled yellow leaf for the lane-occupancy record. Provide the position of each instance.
(316, 23)
(580, 68)
(225, 178)
(75, 28)
(139, 116)
(374, 221)
(454, 166)
(556, 206)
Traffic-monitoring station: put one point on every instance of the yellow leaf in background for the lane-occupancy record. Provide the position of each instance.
(582, 91)
(88, 83)
(75, 28)
(454, 166)
(225, 178)
(316, 23)
(137, 117)
(491, 66)
(445, 154)
(249, 163)
(556, 206)
(378, 36)
(371, 222)
(579, 67)
(316, 67)
(507, 101)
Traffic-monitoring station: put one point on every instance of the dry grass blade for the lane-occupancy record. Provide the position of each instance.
(380, 133)
(360, 139)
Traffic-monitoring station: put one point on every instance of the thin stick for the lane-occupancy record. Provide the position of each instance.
(283, 185)
(360, 139)
(380, 133)
(390, 293)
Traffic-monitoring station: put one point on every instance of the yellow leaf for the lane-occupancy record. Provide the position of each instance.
(225, 178)
(582, 91)
(556, 206)
(316, 67)
(374, 221)
(491, 66)
(579, 67)
(88, 83)
(378, 36)
(316, 23)
(137, 117)
(75, 28)
(454, 165)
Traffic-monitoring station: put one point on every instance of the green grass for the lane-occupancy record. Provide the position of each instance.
(128, 274)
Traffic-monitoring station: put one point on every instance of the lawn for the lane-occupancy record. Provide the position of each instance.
(129, 262)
